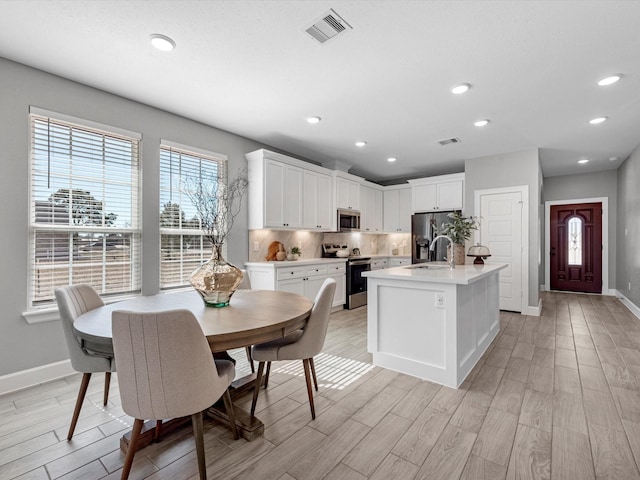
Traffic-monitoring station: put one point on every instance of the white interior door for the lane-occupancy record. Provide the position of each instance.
(501, 231)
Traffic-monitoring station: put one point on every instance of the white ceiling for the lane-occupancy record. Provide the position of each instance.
(248, 67)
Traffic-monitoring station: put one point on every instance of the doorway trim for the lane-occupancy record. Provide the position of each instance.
(605, 238)
(524, 254)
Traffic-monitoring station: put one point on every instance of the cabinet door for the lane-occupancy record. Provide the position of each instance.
(326, 214)
(450, 195)
(342, 193)
(425, 198)
(354, 195)
(292, 196)
(377, 211)
(310, 200)
(367, 208)
(294, 285)
(312, 286)
(391, 207)
(274, 194)
(404, 210)
(340, 296)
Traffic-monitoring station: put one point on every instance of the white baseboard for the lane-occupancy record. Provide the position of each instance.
(628, 303)
(35, 376)
(533, 311)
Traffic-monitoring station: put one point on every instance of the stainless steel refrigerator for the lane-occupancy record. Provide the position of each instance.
(423, 230)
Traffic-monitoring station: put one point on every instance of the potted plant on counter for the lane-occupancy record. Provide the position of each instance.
(458, 229)
(295, 253)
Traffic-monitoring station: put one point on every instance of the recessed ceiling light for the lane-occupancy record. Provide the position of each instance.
(314, 120)
(609, 80)
(481, 123)
(360, 143)
(613, 159)
(458, 89)
(583, 161)
(162, 42)
(391, 159)
(597, 120)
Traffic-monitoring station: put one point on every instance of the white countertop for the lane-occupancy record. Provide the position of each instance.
(293, 263)
(461, 275)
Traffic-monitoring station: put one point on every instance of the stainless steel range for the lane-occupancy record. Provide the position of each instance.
(356, 283)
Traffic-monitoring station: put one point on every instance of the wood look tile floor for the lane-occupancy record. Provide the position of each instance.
(554, 397)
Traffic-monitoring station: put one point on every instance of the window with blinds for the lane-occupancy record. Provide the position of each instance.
(85, 212)
(183, 245)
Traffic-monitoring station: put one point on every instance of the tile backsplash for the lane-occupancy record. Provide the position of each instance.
(311, 242)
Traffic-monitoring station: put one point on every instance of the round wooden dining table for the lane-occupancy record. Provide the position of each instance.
(252, 316)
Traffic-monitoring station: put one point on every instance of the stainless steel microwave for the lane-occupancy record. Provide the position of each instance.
(348, 221)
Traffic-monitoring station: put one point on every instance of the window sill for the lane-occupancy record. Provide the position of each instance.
(51, 314)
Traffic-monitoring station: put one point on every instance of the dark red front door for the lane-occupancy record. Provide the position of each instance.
(576, 247)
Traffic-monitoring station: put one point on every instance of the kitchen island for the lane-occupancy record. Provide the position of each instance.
(430, 321)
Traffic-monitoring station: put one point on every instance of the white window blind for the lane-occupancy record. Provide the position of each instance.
(85, 214)
(183, 244)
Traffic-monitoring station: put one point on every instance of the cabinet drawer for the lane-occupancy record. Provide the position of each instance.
(379, 264)
(336, 269)
(313, 270)
(396, 262)
(291, 272)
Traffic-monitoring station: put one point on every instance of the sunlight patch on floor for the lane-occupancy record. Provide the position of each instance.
(332, 371)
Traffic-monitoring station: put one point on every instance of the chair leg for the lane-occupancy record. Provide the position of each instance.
(307, 375)
(131, 450)
(250, 359)
(107, 382)
(228, 406)
(256, 389)
(313, 372)
(76, 412)
(266, 377)
(198, 433)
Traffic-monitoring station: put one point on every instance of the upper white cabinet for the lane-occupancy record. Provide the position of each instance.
(317, 200)
(288, 193)
(397, 209)
(445, 192)
(371, 199)
(347, 193)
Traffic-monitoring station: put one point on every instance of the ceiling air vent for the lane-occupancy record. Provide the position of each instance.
(329, 26)
(449, 140)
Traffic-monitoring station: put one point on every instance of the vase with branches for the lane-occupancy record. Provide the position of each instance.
(217, 203)
(459, 230)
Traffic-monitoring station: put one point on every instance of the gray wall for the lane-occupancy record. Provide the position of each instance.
(24, 346)
(588, 185)
(508, 170)
(628, 231)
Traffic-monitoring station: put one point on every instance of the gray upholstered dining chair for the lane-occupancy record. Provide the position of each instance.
(246, 285)
(72, 302)
(165, 370)
(302, 344)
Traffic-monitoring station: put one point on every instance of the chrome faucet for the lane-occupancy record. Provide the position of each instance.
(432, 247)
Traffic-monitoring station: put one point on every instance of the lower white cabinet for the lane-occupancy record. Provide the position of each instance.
(305, 279)
(399, 262)
(379, 263)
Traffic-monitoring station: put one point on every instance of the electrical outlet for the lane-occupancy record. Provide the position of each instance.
(440, 300)
(256, 246)
(629, 286)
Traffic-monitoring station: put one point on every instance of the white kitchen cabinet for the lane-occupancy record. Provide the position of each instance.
(397, 210)
(445, 192)
(317, 211)
(347, 193)
(399, 261)
(370, 209)
(287, 193)
(304, 278)
(379, 263)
